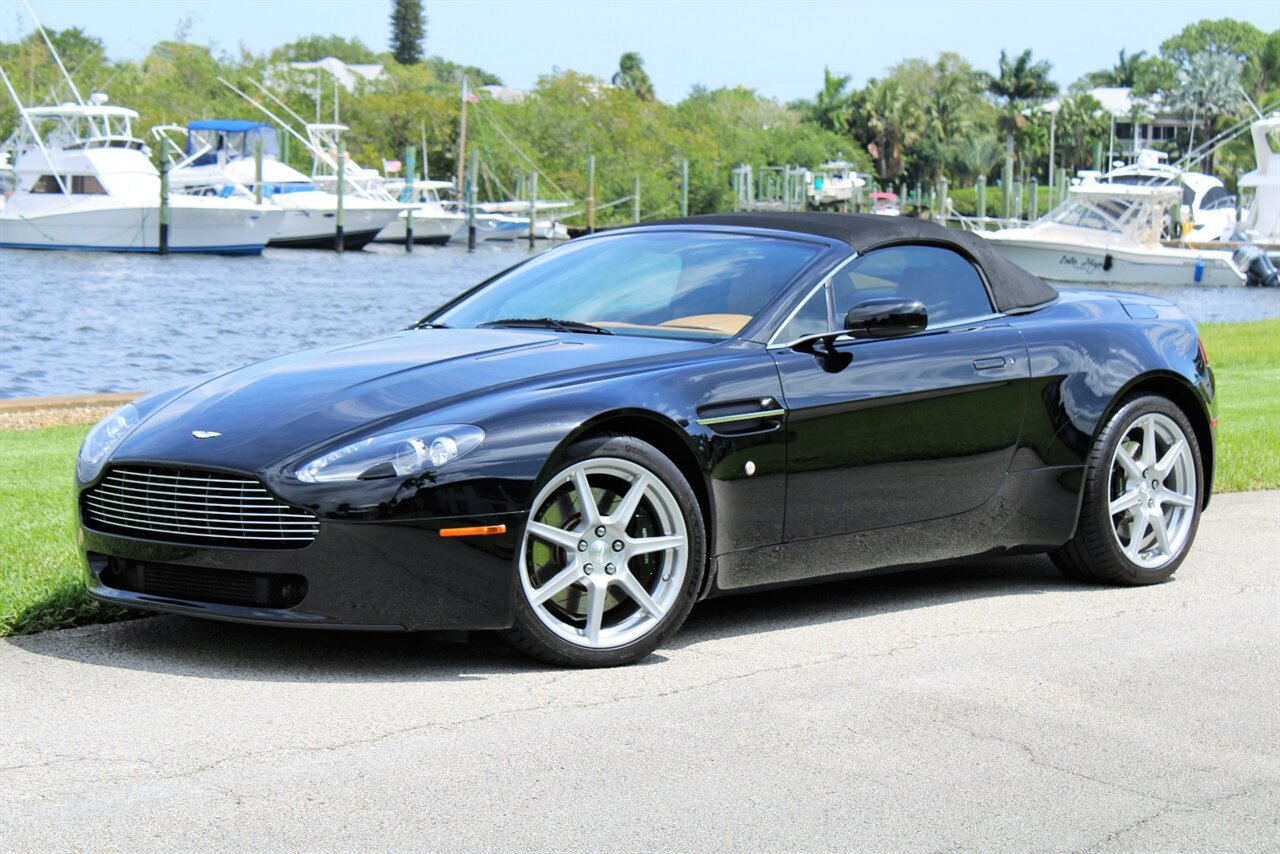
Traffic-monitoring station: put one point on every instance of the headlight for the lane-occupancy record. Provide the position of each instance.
(104, 438)
(398, 454)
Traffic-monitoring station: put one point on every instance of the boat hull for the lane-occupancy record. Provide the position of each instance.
(427, 230)
(1120, 267)
(352, 241)
(311, 220)
(209, 226)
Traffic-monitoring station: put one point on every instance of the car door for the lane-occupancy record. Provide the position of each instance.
(912, 428)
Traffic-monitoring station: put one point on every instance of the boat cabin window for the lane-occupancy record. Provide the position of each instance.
(80, 185)
(1217, 198)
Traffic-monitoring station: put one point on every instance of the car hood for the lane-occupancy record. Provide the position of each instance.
(272, 409)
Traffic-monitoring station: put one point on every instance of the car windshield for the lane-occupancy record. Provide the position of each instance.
(679, 284)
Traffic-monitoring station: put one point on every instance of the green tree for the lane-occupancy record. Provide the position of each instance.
(832, 108)
(317, 47)
(978, 155)
(1227, 37)
(1208, 91)
(632, 76)
(1081, 121)
(886, 121)
(408, 31)
(1021, 82)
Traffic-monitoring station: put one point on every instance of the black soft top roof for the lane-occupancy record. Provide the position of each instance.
(1012, 287)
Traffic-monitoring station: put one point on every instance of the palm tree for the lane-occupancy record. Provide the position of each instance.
(890, 123)
(1209, 89)
(978, 155)
(831, 109)
(1021, 81)
(631, 75)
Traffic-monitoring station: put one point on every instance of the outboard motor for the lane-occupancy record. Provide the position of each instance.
(1259, 271)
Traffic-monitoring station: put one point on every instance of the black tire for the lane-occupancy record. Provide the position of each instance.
(1096, 553)
(531, 633)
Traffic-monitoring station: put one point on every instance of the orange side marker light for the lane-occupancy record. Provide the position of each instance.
(477, 531)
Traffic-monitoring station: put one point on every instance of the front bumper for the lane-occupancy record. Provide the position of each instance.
(366, 575)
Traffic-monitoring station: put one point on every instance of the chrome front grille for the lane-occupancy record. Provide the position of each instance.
(184, 505)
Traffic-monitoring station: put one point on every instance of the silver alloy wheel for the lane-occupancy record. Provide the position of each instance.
(602, 578)
(1152, 491)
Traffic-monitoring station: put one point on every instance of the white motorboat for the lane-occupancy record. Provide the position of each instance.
(433, 223)
(1109, 235)
(1210, 208)
(83, 181)
(218, 160)
(885, 204)
(834, 183)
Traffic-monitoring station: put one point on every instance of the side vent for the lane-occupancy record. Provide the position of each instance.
(737, 417)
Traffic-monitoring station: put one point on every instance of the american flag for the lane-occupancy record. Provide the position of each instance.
(391, 166)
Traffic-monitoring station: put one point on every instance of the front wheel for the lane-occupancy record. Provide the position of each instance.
(1142, 497)
(612, 556)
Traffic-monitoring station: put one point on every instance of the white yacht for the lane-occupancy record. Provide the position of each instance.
(218, 159)
(1261, 224)
(1109, 234)
(84, 181)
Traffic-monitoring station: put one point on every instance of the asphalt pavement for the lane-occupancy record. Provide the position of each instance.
(989, 706)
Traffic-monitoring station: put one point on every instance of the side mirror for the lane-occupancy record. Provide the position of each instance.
(886, 318)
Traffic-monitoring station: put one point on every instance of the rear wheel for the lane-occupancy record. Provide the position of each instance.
(612, 556)
(1142, 497)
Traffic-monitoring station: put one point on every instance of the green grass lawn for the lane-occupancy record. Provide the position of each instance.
(1246, 361)
(40, 574)
(40, 584)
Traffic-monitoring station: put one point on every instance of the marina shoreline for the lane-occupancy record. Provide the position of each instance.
(34, 413)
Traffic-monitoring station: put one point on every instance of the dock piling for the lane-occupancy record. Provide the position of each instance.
(635, 199)
(410, 164)
(981, 192)
(591, 193)
(533, 207)
(164, 196)
(257, 169)
(470, 201)
(339, 240)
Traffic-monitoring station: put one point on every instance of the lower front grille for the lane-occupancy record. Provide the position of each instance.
(212, 586)
(195, 506)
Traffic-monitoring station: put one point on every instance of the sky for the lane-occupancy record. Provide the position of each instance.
(776, 48)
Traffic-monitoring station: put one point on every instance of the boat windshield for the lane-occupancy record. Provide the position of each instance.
(680, 284)
(79, 130)
(1102, 214)
(234, 140)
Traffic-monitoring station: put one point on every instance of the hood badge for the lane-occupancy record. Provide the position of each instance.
(205, 434)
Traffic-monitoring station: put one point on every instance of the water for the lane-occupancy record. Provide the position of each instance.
(80, 322)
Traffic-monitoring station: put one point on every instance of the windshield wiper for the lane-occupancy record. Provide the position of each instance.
(429, 324)
(545, 323)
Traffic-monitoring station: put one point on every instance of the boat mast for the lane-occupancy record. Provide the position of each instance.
(35, 134)
(462, 136)
(53, 50)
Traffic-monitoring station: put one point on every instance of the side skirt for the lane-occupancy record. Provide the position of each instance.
(1034, 511)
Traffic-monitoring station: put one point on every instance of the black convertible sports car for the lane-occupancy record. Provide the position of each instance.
(580, 448)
